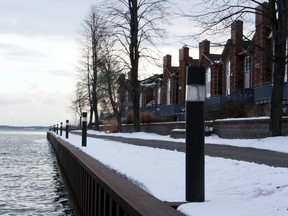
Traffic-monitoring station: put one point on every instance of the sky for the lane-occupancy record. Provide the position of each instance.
(38, 58)
(231, 187)
(38, 54)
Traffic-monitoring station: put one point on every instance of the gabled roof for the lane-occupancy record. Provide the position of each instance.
(151, 81)
(193, 62)
(172, 70)
(246, 47)
(213, 58)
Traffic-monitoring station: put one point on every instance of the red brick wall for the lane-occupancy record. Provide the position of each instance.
(237, 63)
(167, 60)
(216, 81)
(216, 69)
(183, 59)
(149, 96)
(262, 66)
(232, 50)
(204, 48)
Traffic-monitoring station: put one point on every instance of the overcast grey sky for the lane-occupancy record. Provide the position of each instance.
(38, 54)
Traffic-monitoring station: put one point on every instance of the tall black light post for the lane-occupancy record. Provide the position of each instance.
(67, 129)
(61, 128)
(195, 155)
(84, 129)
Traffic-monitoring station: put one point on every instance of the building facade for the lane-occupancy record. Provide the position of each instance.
(243, 70)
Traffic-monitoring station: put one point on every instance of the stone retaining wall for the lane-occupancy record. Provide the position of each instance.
(227, 128)
(246, 128)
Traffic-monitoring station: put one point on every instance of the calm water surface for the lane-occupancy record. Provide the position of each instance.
(30, 180)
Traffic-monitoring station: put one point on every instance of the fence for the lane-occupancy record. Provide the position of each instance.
(100, 191)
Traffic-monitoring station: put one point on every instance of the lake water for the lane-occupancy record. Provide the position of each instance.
(30, 180)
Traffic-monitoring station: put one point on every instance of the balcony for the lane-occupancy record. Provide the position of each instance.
(263, 93)
(246, 95)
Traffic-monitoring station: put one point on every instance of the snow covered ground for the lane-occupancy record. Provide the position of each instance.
(232, 188)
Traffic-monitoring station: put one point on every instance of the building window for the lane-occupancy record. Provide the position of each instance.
(286, 71)
(141, 99)
(247, 71)
(228, 74)
(208, 82)
(159, 95)
(168, 92)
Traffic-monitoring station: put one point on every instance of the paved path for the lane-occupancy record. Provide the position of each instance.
(270, 158)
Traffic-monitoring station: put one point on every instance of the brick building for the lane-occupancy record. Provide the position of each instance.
(244, 69)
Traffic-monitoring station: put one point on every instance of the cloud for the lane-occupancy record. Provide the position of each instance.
(50, 17)
(63, 73)
(13, 99)
(16, 52)
(34, 107)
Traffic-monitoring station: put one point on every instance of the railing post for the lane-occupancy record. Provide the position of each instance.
(61, 128)
(57, 129)
(67, 129)
(54, 128)
(84, 129)
(195, 168)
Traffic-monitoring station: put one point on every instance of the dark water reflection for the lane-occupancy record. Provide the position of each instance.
(30, 180)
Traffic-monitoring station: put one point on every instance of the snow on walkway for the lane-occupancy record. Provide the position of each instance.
(232, 187)
(279, 144)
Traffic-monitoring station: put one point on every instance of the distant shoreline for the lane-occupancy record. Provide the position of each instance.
(28, 128)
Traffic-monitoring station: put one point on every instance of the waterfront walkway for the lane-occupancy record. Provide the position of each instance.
(259, 156)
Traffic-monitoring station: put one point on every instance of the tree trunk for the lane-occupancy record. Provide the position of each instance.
(119, 122)
(278, 25)
(134, 58)
(114, 107)
(95, 74)
(90, 118)
(275, 126)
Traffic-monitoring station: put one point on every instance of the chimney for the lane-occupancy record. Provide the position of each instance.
(237, 31)
(204, 48)
(167, 60)
(184, 54)
(260, 12)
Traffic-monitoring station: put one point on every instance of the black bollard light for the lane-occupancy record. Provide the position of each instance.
(57, 129)
(195, 155)
(84, 129)
(61, 128)
(67, 129)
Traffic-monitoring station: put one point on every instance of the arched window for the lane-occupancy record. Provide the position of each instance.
(228, 74)
(208, 82)
(168, 92)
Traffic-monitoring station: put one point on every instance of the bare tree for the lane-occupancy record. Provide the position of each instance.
(79, 101)
(217, 15)
(137, 25)
(111, 85)
(95, 34)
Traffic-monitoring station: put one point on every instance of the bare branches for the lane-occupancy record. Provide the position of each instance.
(136, 27)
